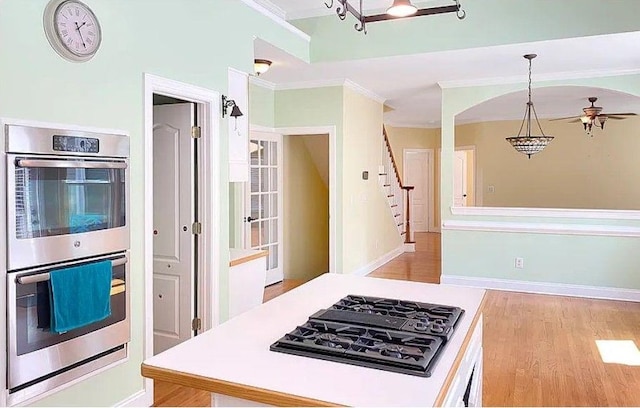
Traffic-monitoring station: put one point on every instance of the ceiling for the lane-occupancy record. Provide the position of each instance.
(409, 84)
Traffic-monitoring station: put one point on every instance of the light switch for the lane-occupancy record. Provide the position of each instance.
(492, 189)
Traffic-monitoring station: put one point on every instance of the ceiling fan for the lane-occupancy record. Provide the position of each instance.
(593, 116)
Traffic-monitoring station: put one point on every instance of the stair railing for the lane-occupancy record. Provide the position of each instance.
(397, 190)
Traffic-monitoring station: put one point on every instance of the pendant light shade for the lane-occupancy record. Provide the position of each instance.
(525, 143)
(402, 8)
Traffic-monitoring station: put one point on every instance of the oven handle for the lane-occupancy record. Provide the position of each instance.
(43, 277)
(74, 164)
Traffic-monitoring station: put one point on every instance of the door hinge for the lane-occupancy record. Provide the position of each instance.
(196, 132)
(196, 324)
(196, 228)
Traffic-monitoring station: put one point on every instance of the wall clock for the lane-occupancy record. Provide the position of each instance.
(72, 29)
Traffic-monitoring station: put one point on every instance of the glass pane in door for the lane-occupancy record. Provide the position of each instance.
(263, 200)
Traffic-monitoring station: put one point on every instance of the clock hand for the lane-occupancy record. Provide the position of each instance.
(80, 33)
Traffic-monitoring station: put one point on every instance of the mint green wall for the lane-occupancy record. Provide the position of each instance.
(193, 42)
(572, 259)
(261, 106)
(488, 22)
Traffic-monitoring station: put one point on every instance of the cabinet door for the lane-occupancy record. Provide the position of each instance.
(238, 127)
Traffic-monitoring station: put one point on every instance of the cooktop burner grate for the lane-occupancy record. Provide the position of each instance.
(387, 334)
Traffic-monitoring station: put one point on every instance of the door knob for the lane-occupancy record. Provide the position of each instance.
(464, 195)
(249, 219)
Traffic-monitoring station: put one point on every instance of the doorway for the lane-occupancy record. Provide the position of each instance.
(418, 170)
(206, 107)
(464, 176)
(175, 225)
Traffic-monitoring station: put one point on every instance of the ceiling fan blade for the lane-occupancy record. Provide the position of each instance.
(616, 117)
(569, 117)
(619, 114)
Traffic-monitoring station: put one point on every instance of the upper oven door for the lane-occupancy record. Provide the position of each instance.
(62, 208)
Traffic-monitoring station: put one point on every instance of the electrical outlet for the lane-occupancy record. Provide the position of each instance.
(519, 263)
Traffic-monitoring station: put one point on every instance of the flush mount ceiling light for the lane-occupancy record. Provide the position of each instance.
(260, 66)
(399, 9)
(526, 143)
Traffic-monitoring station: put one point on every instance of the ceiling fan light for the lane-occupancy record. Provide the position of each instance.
(585, 119)
(402, 8)
(601, 120)
(260, 66)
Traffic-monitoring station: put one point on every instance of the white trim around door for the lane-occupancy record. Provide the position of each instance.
(209, 177)
(333, 199)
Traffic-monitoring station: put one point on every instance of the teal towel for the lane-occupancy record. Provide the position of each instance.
(80, 295)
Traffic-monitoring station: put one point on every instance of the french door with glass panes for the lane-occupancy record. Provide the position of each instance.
(263, 201)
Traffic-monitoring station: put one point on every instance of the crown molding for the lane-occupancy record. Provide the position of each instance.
(272, 8)
(325, 83)
(557, 76)
(266, 8)
(254, 80)
(364, 91)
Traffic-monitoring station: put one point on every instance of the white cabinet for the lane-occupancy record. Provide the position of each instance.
(238, 127)
(247, 276)
(466, 387)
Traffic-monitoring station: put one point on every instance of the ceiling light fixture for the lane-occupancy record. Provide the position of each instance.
(260, 66)
(526, 143)
(399, 9)
(593, 116)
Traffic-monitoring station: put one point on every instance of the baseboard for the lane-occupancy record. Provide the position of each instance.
(372, 266)
(142, 398)
(563, 289)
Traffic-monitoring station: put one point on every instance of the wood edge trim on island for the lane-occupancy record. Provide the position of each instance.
(463, 349)
(231, 389)
(248, 258)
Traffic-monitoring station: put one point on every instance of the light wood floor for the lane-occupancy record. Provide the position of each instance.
(538, 350)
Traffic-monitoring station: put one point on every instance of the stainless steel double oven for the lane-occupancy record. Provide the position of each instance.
(67, 205)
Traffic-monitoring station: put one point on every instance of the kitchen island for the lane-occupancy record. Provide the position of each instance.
(234, 362)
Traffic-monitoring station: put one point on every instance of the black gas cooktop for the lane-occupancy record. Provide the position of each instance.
(387, 334)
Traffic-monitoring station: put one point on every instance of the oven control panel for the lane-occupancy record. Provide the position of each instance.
(75, 144)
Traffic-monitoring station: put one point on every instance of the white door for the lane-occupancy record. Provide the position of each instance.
(263, 201)
(417, 174)
(173, 216)
(460, 178)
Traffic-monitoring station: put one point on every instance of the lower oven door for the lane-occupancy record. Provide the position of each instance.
(35, 353)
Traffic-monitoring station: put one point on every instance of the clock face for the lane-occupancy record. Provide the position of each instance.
(72, 29)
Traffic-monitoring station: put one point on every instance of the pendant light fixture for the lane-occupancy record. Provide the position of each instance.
(526, 143)
(398, 9)
(402, 8)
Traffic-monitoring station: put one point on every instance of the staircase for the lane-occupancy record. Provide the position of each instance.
(397, 193)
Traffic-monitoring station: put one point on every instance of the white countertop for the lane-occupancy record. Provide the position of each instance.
(238, 350)
(240, 255)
